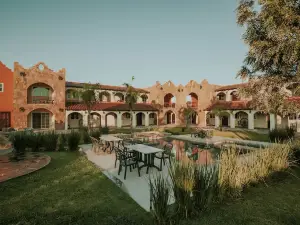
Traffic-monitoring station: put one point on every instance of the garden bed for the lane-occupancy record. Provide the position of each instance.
(11, 166)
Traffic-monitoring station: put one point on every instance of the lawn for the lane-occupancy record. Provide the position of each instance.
(243, 135)
(72, 190)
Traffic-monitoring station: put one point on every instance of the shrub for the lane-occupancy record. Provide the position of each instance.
(202, 134)
(160, 194)
(182, 177)
(296, 151)
(50, 141)
(206, 186)
(4, 142)
(61, 142)
(281, 135)
(105, 130)
(73, 141)
(85, 137)
(18, 140)
(95, 134)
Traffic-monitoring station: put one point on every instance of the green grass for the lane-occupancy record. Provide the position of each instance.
(243, 135)
(71, 190)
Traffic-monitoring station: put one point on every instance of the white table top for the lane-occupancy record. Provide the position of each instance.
(145, 149)
(110, 138)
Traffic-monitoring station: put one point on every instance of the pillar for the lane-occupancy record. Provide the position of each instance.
(251, 120)
(272, 122)
(66, 122)
(103, 120)
(85, 119)
(217, 121)
(133, 119)
(228, 96)
(119, 120)
(146, 119)
(232, 120)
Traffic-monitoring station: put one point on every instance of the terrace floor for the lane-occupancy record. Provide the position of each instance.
(137, 187)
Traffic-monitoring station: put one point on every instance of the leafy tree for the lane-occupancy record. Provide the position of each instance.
(273, 35)
(272, 62)
(218, 111)
(187, 114)
(131, 99)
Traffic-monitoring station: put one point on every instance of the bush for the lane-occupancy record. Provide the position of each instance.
(95, 134)
(18, 140)
(105, 130)
(50, 141)
(73, 141)
(85, 137)
(3, 141)
(61, 142)
(281, 135)
(160, 195)
(296, 151)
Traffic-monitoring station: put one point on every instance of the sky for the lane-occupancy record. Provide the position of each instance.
(109, 41)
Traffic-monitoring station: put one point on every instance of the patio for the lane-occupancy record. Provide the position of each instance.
(137, 187)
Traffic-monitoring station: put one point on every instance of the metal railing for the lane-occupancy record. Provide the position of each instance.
(40, 100)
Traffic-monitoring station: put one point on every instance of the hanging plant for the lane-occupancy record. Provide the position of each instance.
(22, 109)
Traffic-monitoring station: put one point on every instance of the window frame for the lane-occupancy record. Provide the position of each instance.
(1, 87)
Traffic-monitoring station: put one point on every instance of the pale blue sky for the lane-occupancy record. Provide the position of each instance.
(110, 41)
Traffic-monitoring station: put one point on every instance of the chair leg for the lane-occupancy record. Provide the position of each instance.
(116, 163)
(137, 165)
(161, 161)
(130, 168)
(120, 168)
(169, 160)
(125, 172)
(164, 160)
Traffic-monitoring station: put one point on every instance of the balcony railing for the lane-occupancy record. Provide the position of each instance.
(169, 105)
(40, 100)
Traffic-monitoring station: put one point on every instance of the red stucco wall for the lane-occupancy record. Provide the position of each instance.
(6, 97)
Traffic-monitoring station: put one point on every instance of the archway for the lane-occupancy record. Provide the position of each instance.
(144, 98)
(234, 96)
(95, 120)
(210, 119)
(40, 93)
(126, 121)
(241, 119)
(152, 119)
(192, 100)
(40, 119)
(169, 100)
(119, 97)
(104, 96)
(74, 120)
(221, 96)
(261, 120)
(111, 119)
(224, 119)
(170, 117)
(140, 119)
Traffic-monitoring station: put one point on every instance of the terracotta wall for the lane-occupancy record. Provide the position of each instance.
(203, 91)
(6, 97)
(39, 73)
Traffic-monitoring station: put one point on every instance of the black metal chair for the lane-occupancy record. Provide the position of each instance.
(166, 154)
(126, 160)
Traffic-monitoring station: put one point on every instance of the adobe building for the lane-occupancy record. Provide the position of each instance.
(39, 97)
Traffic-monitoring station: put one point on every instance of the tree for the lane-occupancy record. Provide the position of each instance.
(88, 97)
(272, 62)
(273, 35)
(218, 111)
(187, 114)
(131, 98)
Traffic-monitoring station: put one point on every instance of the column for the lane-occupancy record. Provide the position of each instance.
(66, 122)
(119, 120)
(133, 120)
(103, 120)
(232, 120)
(146, 119)
(272, 122)
(217, 121)
(228, 96)
(85, 119)
(251, 120)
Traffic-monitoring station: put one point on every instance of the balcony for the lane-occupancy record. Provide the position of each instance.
(40, 100)
(169, 105)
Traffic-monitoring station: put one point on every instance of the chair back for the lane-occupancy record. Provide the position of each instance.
(168, 147)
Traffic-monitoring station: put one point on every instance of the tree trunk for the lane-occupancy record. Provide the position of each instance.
(88, 121)
(131, 123)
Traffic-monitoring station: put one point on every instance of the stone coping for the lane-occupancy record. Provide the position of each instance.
(11, 169)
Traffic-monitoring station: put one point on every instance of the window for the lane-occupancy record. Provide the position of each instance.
(1, 87)
(74, 116)
(40, 91)
(127, 115)
(212, 116)
(40, 120)
(151, 115)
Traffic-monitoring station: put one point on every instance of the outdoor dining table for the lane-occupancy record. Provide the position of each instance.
(148, 152)
(110, 141)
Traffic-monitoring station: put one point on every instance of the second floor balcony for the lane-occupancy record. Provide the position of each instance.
(40, 100)
(40, 93)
